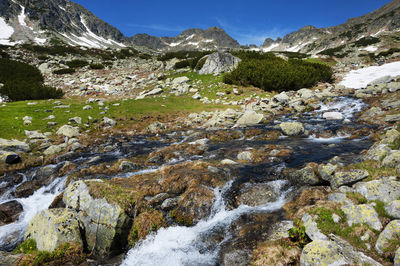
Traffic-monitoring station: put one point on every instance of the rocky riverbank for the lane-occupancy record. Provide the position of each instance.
(308, 176)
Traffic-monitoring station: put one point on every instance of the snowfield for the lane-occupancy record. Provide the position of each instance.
(358, 79)
(5, 32)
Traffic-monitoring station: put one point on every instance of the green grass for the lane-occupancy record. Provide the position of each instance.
(211, 84)
(128, 111)
(327, 62)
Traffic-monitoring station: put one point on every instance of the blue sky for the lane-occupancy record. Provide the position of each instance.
(248, 21)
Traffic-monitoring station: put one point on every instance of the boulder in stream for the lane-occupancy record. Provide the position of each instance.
(105, 225)
(53, 227)
(10, 211)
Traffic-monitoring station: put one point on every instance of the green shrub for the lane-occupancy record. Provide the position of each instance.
(96, 66)
(145, 56)
(21, 90)
(332, 51)
(65, 254)
(77, 63)
(64, 71)
(200, 64)
(126, 53)
(43, 57)
(366, 41)
(298, 234)
(24, 82)
(389, 52)
(275, 74)
(183, 55)
(26, 247)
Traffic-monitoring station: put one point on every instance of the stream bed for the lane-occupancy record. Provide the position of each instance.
(216, 239)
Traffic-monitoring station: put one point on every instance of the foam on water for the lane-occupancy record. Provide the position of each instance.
(345, 105)
(37, 202)
(180, 245)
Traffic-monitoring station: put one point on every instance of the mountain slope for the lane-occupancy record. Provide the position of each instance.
(40, 20)
(191, 39)
(310, 39)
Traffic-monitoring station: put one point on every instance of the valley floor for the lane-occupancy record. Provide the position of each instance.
(143, 166)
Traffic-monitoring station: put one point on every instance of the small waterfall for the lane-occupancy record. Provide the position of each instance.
(180, 245)
(40, 200)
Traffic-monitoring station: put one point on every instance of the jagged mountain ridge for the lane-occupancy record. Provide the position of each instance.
(310, 39)
(40, 20)
(191, 39)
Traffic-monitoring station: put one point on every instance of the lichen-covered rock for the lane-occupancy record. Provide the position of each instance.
(377, 152)
(105, 225)
(312, 230)
(340, 198)
(14, 145)
(391, 137)
(396, 260)
(257, 194)
(352, 255)
(385, 189)
(321, 252)
(7, 258)
(305, 175)
(362, 214)
(391, 233)
(53, 227)
(250, 118)
(326, 171)
(9, 157)
(393, 209)
(347, 178)
(392, 160)
(292, 128)
(218, 63)
(68, 131)
(245, 156)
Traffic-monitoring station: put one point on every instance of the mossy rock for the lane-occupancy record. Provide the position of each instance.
(106, 225)
(53, 227)
(320, 252)
(389, 238)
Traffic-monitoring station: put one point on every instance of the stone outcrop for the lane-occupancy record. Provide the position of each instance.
(218, 63)
(105, 225)
(53, 227)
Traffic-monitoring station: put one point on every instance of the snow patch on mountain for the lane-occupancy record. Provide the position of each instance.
(5, 32)
(360, 78)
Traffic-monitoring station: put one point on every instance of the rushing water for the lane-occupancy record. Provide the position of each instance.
(180, 245)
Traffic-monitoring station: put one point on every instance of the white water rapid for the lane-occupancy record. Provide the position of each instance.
(180, 245)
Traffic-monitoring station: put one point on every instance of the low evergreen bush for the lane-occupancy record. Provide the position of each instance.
(24, 82)
(271, 73)
(63, 71)
(96, 66)
(77, 63)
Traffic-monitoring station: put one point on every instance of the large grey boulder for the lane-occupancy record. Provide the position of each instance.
(53, 227)
(218, 63)
(385, 189)
(362, 214)
(312, 230)
(391, 233)
(68, 131)
(322, 252)
(393, 209)
(14, 145)
(250, 118)
(391, 137)
(377, 152)
(105, 225)
(392, 160)
(292, 128)
(305, 175)
(347, 178)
